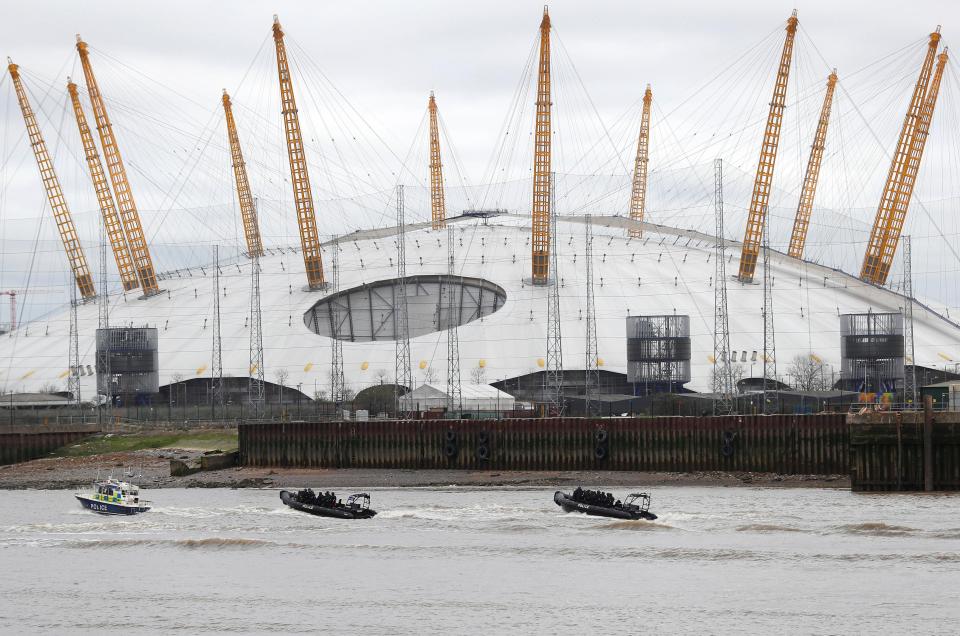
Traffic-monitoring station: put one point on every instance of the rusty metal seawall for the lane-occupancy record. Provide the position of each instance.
(916, 451)
(22, 443)
(802, 444)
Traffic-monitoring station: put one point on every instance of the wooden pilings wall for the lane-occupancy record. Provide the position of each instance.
(801, 444)
(887, 451)
(20, 446)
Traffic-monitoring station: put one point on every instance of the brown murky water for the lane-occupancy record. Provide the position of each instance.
(719, 560)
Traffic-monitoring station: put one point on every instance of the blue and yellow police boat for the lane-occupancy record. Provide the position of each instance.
(113, 497)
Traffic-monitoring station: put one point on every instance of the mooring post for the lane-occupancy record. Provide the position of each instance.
(928, 443)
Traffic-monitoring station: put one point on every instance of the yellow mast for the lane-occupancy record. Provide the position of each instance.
(541, 163)
(299, 177)
(438, 204)
(903, 169)
(768, 157)
(251, 226)
(638, 195)
(802, 221)
(58, 204)
(108, 209)
(118, 178)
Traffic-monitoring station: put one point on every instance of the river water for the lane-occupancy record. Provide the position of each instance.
(719, 560)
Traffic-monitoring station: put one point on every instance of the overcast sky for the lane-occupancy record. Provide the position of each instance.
(386, 56)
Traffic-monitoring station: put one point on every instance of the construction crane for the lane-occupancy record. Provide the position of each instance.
(902, 176)
(638, 196)
(541, 163)
(802, 222)
(108, 209)
(58, 204)
(251, 228)
(763, 182)
(118, 178)
(438, 204)
(299, 177)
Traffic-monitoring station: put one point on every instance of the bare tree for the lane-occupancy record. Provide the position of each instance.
(807, 373)
(49, 387)
(281, 374)
(737, 373)
(478, 375)
(429, 375)
(382, 375)
(320, 395)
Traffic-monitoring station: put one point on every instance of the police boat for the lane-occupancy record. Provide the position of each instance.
(604, 504)
(326, 504)
(113, 497)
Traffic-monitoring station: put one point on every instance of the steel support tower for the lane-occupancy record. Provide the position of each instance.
(638, 194)
(403, 376)
(454, 389)
(543, 178)
(255, 387)
(51, 183)
(722, 373)
(554, 362)
(73, 380)
(591, 381)
(123, 194)
(337, 381)
(216, 362)
(771, 400)
(108, 208)
(299, 174)
(910, 377)
(901, 177)
(251, 229)
(105, 411)
(763, 182)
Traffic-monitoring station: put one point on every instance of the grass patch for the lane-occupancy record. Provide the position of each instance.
(125, 442)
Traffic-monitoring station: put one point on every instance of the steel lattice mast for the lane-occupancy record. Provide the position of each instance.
(542, 176)
(108, 209)
(638, 195)
(51, 183)
(771, 400)
(722, 373)
(902, 177)
(910, 377)
(805, 208)
(554, 362)
(104, 382)
(299, 176)
(438, 205)
(763, 183)
(216, 363)
(591, 382)
(251, 229)
(256, 387)
(337, 380)
(403, 375)
(129, 215)
(454, 388)
(73, 382)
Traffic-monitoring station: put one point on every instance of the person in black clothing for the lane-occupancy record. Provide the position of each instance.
(578, 494)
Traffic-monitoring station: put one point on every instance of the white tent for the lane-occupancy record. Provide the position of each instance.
(476, 397)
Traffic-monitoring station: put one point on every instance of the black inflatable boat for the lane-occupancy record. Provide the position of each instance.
(601, 504)
(327, 504)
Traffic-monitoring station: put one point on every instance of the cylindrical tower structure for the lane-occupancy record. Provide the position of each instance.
(658, 353)
(871, 353)
(133, 376)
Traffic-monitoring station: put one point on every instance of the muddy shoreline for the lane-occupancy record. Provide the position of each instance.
(154, 465)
